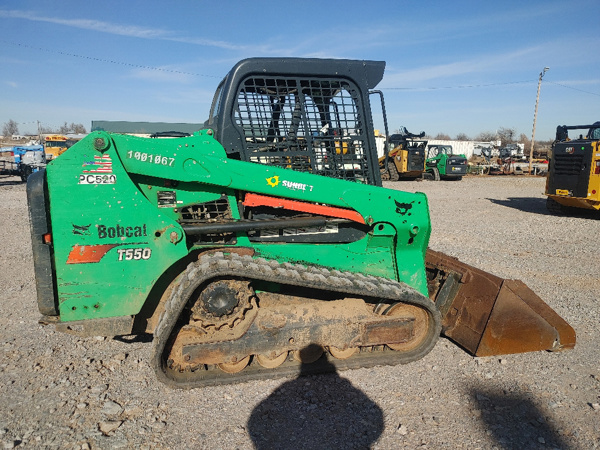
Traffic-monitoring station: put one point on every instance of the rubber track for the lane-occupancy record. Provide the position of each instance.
(233, 265)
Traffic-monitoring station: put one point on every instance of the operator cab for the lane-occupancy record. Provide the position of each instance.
(594, 132)
(310, 115)
(435, 150)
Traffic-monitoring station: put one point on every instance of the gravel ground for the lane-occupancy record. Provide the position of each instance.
(61, 391)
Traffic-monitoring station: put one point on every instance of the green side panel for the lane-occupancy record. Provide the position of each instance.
(115, 201)
(373, 255)
(111, 243)
(440, 162)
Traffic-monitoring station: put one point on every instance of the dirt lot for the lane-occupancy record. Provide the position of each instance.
(67, 392)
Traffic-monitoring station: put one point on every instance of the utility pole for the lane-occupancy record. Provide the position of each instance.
(537, 99)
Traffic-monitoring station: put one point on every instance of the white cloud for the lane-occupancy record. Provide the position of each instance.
(477, 64)
(94, 25)
(162, 74)
(122, 30)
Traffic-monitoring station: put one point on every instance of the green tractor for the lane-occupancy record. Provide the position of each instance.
(443, 164)
(263, 244)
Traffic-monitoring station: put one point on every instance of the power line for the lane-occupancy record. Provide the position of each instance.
(160, 69)
(466, 86)
(110, 61)
(575, 89)
(470, 86)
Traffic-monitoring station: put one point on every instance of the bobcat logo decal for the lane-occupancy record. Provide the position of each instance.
(403, 208)
(82, 230)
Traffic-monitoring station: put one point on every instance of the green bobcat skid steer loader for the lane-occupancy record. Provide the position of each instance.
(264, 241)
(443, 164)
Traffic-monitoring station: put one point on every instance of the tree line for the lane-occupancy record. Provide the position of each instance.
(11, 128)
(504, 135)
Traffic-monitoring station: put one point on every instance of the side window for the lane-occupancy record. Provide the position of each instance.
(310, 125)
(216, 104)
(268, 111)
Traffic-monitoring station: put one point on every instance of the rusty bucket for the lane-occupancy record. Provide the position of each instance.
(488, 315)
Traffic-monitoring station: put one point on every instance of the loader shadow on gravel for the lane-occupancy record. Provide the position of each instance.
(9, 182)
(135, 338)
(515, 422)
(538, 206)
(525, 204)
(324, 411)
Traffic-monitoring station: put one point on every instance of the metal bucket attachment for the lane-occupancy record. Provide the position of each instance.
(488, 315)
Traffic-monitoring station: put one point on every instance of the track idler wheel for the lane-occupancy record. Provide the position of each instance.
(270, 362)
(343, 353)
(235, 367)
(420, 328)
(308, 354)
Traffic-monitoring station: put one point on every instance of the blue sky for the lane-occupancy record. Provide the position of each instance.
(452, 66)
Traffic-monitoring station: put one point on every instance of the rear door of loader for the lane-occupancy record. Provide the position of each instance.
(570, 169)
